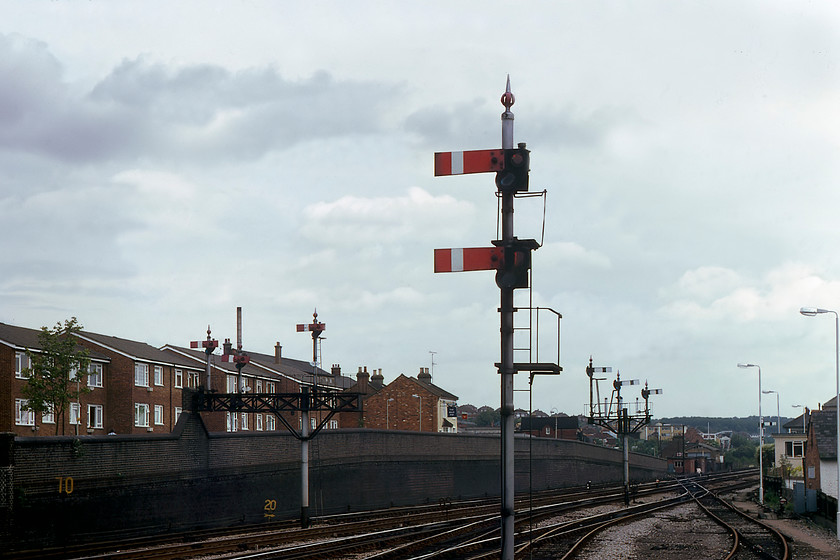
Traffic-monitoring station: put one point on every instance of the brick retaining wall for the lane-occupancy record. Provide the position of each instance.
(66, 488)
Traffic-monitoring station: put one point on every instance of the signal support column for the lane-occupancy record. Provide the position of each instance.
(506, 371)
(304, 457)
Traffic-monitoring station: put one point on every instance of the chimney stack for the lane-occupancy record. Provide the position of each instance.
(336, 370)
(362, 378)
(424, 376)
(227, 347)
(278, 353)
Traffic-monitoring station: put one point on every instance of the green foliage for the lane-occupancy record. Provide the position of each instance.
(57, 373)
(488, 418)
(742, 452)
(649, 447)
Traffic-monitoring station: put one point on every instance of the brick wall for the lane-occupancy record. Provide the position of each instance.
(192, 478)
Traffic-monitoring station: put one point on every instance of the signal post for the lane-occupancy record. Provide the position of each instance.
(511, 258)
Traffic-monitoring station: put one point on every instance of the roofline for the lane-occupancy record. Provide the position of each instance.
(125, 354)
(183, 352)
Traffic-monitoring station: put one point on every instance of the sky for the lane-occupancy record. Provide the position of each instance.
(163, 163)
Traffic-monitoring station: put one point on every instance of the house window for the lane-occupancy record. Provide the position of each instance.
(48, 417)
(547, 430)
(94, 375)
(333, 424)
(177, 414)
(158, 414)
(231, 383)
(232, 421)
(269, 422)
(23, 417)
(94, 419)
(158, 375)
(179, 378)
(141, 375)
(795, 448)
(259, 422)
(259, 385)
(75, 413)
(193, 379)
(21, 363)
(269, 386)
(141, 415)
(244, 421)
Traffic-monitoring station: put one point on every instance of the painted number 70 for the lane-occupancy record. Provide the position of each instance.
(65, 485)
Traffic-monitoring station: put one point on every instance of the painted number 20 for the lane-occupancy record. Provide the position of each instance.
(270, 506)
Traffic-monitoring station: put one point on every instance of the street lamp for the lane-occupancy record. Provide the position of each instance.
(419, 414)
(803, 407)
(811, 312)
(387, 414)
(760, 436)
(804, 410)
(778, 425)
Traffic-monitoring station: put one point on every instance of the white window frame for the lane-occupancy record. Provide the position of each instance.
(141, 375)
(259, 422)
(231, 384)
(259, 386)
(48, 417)
(75, 413)
(179, 379)
(176, 415)
(269, 386)
(231, 421)
(23, 417)
(244, 420)
(94, 375)
(270, 422)
(21, 363)
(158, 415)
(94, 420)
(158, 375)
(141, 415)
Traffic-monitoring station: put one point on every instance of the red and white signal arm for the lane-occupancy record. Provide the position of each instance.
(204, 344)
(315, 327)
(471, 161)
(241, 359)
(464, 260)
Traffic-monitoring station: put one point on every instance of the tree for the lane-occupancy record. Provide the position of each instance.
(56, 372)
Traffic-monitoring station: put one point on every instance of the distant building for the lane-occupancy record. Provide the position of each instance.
(407, 403)
(552, 427)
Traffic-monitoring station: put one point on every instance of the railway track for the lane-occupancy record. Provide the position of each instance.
(466, 529)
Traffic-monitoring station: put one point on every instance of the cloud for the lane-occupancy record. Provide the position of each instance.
(144, 109)
(360, 221)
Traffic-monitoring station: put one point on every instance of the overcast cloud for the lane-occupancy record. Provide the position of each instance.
(162, 164)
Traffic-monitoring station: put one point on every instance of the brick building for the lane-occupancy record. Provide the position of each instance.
(407, 403)
(86, 415)
(553, 427)
(137, 388)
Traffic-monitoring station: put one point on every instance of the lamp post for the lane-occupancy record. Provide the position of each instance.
(760, 436)
(804, 410)
(387, 414)
(778, 425)
(419, 414)
(802, 406)
(811, 312)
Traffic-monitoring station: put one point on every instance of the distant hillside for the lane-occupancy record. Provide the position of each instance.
(706, 424)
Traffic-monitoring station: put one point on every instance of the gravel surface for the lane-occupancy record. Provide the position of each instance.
(684, 532)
